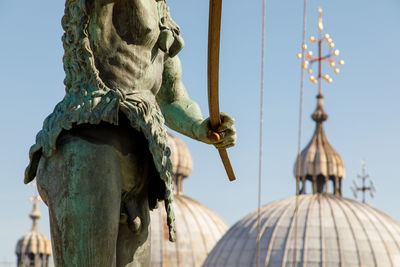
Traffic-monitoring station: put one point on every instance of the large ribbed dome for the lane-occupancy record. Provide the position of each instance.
(197, 231)
(331, 231)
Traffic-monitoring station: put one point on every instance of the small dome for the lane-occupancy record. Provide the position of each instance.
(331, 231)
(181, 159)
(197, 231)
(34, 247)
(319, 162)
(34, 242)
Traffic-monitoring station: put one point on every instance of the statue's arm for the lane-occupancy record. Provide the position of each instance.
(183, 115)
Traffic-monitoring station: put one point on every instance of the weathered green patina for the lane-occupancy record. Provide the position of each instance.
(122, 75)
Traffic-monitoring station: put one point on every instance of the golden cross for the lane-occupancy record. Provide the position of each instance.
(320, 58)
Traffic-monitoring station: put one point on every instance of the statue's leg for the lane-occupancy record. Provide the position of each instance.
(133, 245)
(81, 183)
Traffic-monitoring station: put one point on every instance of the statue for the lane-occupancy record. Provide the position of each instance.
(102, 159)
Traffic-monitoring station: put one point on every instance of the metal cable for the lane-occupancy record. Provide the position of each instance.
(300, 132)
(261, 130)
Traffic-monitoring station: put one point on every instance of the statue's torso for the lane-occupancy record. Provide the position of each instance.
(123, 36)
(112, 47)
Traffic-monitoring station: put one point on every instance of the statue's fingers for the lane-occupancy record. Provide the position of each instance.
(227, 119)
(226, 142)
(227, 122)
(225, 146)
(226, 126)
(227, 134)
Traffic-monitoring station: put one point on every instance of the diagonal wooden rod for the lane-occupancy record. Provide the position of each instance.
(214, 31)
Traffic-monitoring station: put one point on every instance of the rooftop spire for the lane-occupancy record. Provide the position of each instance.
(319, 115)
(364, 177)
(318, 161)
(35, 214)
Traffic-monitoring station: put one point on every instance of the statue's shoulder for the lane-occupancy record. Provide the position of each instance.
(170, 40)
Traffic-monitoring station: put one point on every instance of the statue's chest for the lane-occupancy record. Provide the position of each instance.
(136, 21)
(123, 36)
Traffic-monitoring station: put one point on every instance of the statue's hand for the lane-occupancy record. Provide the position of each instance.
(226, 132)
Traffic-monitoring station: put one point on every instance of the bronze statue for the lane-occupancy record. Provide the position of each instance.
(102, 159)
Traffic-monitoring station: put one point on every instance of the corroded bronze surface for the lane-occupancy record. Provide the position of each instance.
(102, 157)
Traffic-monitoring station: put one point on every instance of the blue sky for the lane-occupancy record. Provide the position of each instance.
(362, 102)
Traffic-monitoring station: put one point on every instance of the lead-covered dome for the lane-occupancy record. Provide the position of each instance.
(197, 231)
(197, 227)
(331, 231)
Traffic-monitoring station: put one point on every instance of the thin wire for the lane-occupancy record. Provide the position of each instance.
(261, 130)
(300, 133)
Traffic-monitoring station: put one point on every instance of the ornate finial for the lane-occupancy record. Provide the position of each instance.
(320, 25)
(363, 188)
(329, 58)
(319, 115)
(35, 214)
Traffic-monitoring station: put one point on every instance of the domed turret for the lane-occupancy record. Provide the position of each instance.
(318, 161)
(33, 249)
(197, 227)
(181, 160)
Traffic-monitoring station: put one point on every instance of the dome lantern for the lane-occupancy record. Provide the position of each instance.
(319, 162)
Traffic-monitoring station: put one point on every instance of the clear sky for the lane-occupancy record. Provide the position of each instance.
(362, 102)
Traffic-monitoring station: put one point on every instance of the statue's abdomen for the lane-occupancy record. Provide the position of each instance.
(122, 36)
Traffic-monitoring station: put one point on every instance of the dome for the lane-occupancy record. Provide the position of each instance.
(34, 247)
(197, 228)
(331, 231)
(319, 162)
(197, 231)
(181, 160)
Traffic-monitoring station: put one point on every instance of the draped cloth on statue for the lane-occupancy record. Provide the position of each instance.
(144, 115)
